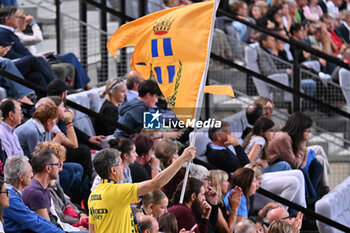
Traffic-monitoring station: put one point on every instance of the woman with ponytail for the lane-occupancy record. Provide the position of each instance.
(115, 93)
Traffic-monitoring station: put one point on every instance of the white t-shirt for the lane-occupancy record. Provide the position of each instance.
(255, 140)
(331, 8)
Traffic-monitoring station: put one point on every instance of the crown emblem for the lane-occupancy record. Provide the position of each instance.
(162, 26)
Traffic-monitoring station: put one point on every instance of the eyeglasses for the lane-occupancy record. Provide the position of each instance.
(7, 192)
(59, 165)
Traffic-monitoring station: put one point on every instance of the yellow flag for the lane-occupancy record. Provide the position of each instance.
(172, 44)
(219, 90)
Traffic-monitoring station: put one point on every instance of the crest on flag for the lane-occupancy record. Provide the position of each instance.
(169, 72)
(173, 46)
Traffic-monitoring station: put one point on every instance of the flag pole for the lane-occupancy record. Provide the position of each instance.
(200, 97)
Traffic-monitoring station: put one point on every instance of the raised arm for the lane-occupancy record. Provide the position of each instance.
(71, 140)
(165, 176)
(33, 39)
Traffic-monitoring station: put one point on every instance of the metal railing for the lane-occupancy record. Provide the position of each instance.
(89, 47)
(231, 64)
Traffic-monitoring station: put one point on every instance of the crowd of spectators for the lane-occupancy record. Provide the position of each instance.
(145, 171)
(17, 56)
(136, 184)
(322, 25)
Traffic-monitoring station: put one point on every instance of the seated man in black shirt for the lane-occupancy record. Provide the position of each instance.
(218, 152)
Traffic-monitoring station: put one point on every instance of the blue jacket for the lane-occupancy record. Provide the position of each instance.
(28, 136)
(225, 159)
(19, 218)
(17, 50)
(131, 115)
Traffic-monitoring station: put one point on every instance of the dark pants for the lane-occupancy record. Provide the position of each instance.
(36, 70)
(81, 76)
(82, 156)
(71, 181)
(312, 179)
(71, 173)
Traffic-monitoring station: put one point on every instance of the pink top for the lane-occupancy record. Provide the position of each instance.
(281, 147)
(313, 13)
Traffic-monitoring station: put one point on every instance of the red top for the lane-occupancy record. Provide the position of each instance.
(337, 41)
(185, 219)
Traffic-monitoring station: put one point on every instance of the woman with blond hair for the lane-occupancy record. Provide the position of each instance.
(286, 226)
(166, 151)
(226, 219)
(219, 181)
(267, 104)
(115, 93)
(154, 203)
(279, 226)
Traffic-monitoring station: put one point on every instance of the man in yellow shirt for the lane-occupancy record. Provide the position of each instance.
(109, 202)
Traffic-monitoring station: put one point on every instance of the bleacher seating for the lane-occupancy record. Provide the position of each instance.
(315, 65)
(94, 98)
(81, 120)
(89, 99)
(238, 122)
(264, 89)
(336, 206)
